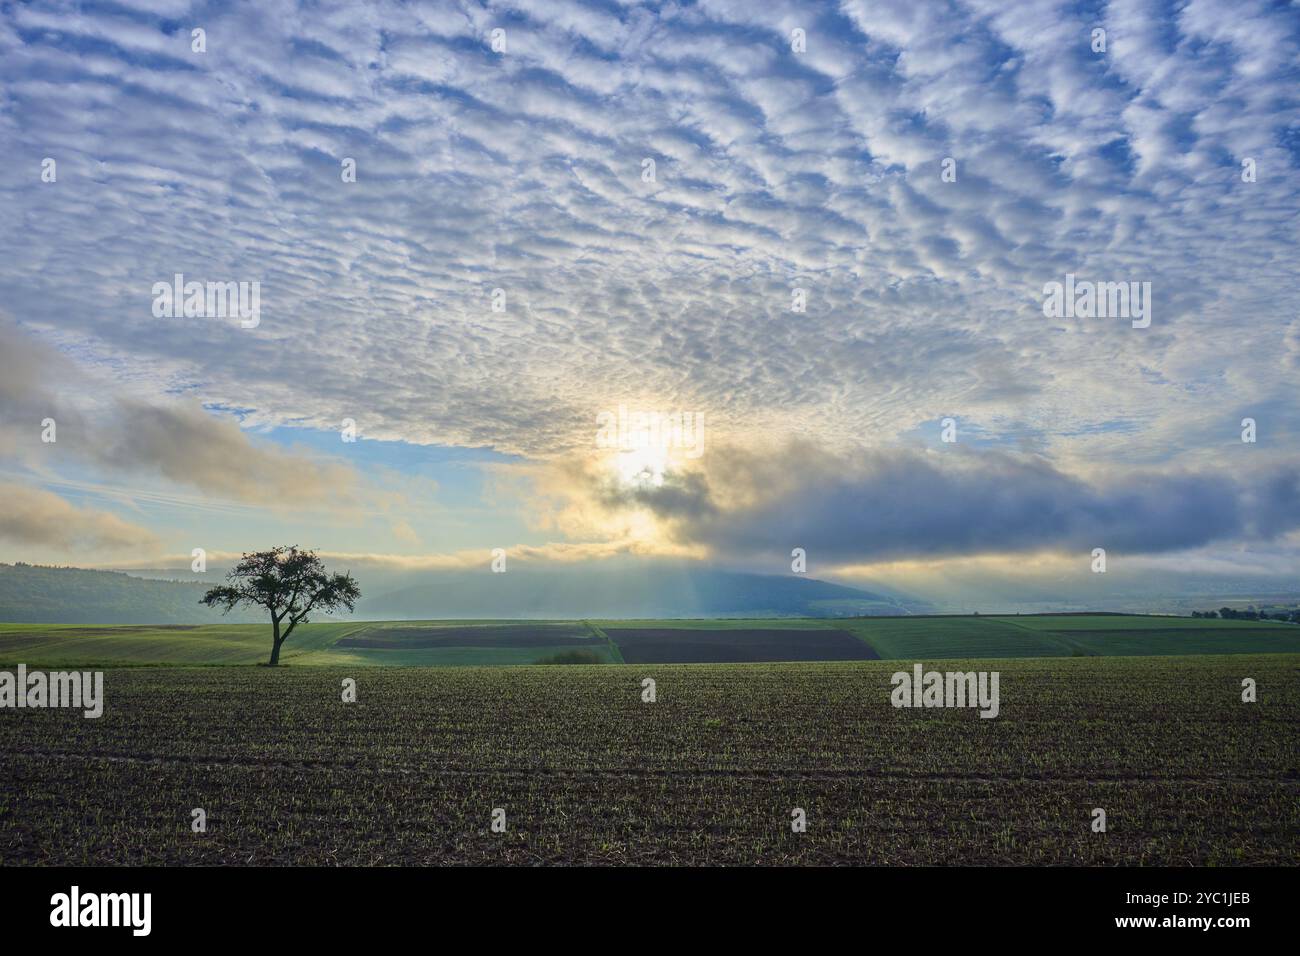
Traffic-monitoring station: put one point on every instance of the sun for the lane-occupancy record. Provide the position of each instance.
(640, 467)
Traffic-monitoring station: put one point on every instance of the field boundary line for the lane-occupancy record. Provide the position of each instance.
(364, 625)
(613, 648)
(851, 629)
(1054, 636)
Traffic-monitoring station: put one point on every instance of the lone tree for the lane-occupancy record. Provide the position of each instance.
(287, 582)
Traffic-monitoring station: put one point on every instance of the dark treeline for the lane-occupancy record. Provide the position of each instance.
(1250, 614)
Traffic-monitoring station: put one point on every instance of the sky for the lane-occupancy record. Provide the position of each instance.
(491, 244)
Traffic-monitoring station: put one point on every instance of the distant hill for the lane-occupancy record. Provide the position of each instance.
(34, 594)
(646, 592)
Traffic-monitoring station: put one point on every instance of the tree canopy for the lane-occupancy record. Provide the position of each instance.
(290, 583)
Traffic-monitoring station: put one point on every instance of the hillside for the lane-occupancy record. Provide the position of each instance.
(37, 594)
(674, 591)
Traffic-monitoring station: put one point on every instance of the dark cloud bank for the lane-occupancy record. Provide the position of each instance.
(899, 505)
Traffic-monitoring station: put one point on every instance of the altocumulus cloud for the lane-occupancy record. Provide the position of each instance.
(522, 171)
(774, 170)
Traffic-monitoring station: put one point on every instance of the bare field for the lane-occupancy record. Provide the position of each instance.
(734, 646)
(709, 773)
(413, 637)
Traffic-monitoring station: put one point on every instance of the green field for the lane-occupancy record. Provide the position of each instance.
(59, 644)
(709, 773)
(490, 643)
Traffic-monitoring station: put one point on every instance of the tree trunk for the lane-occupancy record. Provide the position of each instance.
(275, 641)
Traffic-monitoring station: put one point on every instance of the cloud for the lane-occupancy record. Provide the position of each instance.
(187, 445)
(774, 170)
(900, 505)
(176, 440)
(522, 171)
(36, 518)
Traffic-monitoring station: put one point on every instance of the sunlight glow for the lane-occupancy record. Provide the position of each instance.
(640, 468)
